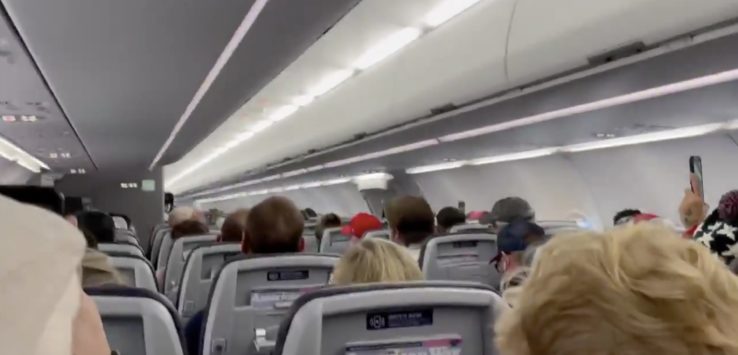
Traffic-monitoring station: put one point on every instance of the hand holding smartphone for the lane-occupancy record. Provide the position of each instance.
(696, 178)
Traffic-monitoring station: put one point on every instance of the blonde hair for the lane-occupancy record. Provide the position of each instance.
(634, 290)
(181, 214)
(376, 260)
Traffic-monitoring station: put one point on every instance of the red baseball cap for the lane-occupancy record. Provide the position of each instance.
(644, 217)
(360, 224)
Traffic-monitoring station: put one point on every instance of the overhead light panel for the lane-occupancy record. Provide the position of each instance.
(278, 189)
(446, 10)
(435, 167)
(303, 100)
(261, 125)
(9, 118)
(387, 46)
(665, 135)
(678, 133)
(294, 173)
(536, 153)
(283, 112)
(330, 81)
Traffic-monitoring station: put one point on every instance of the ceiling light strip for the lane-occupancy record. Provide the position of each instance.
(279, 189)
(665, 135)
(15, 154)
(678, 87)
(333, 164)
(228, 51)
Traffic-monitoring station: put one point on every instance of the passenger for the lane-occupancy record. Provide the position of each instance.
(411, 221)
(633, 290)
(330, 220)
(448, 217)
(360, 224)
(184, 213)
(234, 227)
(274, 226)
(99, 224)
(44, 308)
(189, 228)
(517, 243)
(507, 210)
(624, 216)
(720, 229)
(309, 213)
(376, 260)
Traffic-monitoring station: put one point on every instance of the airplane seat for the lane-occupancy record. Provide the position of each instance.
(165, 247)
(158, 230)
(135, 270)
(251, 295)
(463, 257)
(159, 238)
(120, 222)
(120, 248)
(334, 242)
(138, 321)
(201, 266)
(125, 236)
(470, 228)
(381, 234)
(406, 318)
(311, 243)
(175, 264)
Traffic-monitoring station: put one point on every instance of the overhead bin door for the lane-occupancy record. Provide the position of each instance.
(552, 36)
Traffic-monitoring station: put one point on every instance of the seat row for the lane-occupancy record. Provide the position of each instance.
(298, 315)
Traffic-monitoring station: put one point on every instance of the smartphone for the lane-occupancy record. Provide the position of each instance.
(695, 168)
(44, 197)
(462, 207)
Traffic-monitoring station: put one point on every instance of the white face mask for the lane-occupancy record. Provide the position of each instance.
(56, 338)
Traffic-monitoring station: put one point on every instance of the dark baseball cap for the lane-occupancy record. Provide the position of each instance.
(510, 209)
(512, 237)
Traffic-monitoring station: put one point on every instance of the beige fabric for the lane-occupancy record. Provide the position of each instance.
(40, 255)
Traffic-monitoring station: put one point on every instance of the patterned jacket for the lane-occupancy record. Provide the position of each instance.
(719, 236)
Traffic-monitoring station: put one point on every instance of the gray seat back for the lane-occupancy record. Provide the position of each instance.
(176, 262)
(135, 271)
(334, 242)
(201, 267)
(138, 321)
(252, 295)
(470, 228)
(412, 318)
(461, 257)
(164, 249)
(125, 236)
(116, 248)
(311, 243)
(157, 243)
(381, 234)
(120, 222)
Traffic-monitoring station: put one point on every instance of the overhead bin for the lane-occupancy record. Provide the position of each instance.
(455, 63)
(548, 37)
